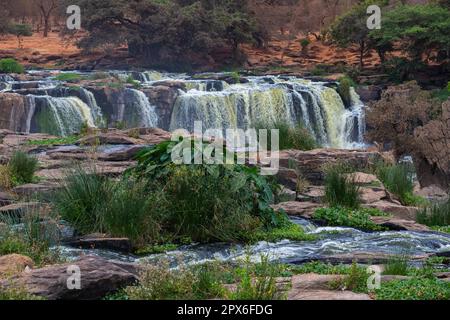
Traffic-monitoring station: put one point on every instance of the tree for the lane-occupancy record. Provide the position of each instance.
(20, 31)
(46, 9)
(167, 32)
(351, 28)
(421, 31)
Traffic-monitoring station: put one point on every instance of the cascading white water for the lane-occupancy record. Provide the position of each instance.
(317, 106)
(96, 111)
(59, 116)
(138, 111)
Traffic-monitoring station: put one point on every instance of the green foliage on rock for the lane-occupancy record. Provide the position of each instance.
(10, 65)
(22, 167)
(354, 218)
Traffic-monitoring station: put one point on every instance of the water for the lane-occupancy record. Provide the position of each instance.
(138, 111)
(271, 100)
(331, 241)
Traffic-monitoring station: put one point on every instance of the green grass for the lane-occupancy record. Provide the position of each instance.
(414, 289)
(437, 215)
(290, 137)
(54, 142)
(22, 167)
(69, 77)
(340, 190)
(354, 218)
(10, 65)
(291, 232)
(355, 280)
(397, 180)
(17, 295)
(397, 266)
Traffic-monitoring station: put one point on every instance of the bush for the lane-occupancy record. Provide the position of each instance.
(10, 65)
(340, 216)
(340, 190)
(398, 180)
(291, 137)
(437, 215)
(345, 85)
(22, 167)
(414, 289)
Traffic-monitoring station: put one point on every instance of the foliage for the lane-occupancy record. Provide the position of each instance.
(54, 141)
(351, 27)
(69, 77)
(355, 280)
(22, 167)
(17, 295)
(290, 137)
(196, 29)
(21, 30)
(340, 190)
(397, 266)
(414, 289)
(345, 85)
(421, 29)
(10, 65)
(5, 178)
(289, 232)
(340, 216)
(435, 215)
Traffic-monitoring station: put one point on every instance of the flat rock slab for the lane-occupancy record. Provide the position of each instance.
(115, 244)
(399, 224)
(327, 295)
(298, 209)
(98, 277)
(397, 210)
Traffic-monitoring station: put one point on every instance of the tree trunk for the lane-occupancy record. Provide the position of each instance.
(46, 26)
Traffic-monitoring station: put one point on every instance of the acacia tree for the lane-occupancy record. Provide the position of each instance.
(46, 9)
(351, 28)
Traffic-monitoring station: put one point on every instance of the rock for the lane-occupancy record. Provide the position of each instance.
(13, 264)
(313, 194)
(398, 211)
(99, 277)
(399, 224)
(286, 195)
(314, 281)
(432, 192)
(151, 136)
(122, 155)
(372, 195)
(19, 210)
(312, 162)
(371, 258)
(6, 199)
(107, 243)
(288, 178)
(369, 93)
(13, 112)
(31, 189)
(328, 295)
(108, 138)
(362, 178)
(163, 96)
(299, 209)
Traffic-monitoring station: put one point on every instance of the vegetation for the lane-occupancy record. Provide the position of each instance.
(340, 190)
(17, 295)
(437, 215)
(20, 30)
(414, 289)
(355, 218)
(345, 85)
(397, 266)
(54, 142)
(69, 77)
(22, 168)
(10, 65)
(290, 137)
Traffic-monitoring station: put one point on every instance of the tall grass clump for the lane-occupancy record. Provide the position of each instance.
(290, 136)
(398, 180)
(22, 167)
(10, 65)
(437, 215)
(397, 266)
(340, 189)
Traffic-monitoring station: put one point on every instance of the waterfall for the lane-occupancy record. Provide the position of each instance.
(138, 111)
(6, 82)
(59, 116)
(319, 107)
(96, 111)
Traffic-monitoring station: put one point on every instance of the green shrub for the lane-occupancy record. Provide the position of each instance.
(354, 218)
(22, 167)
(69, 77)
(355, 280)
(414, 289)
(437, 215)
(290, 137)
(54, 141)
(291, 231)
(397, 266)
(398, 180)
(345, 85)
(340, 190)
(10, 65)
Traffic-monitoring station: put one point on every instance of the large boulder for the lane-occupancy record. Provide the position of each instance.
(298, 209)
(14, 263)
(98, 277)
(13, 112)
(397, 210)
(399, 224)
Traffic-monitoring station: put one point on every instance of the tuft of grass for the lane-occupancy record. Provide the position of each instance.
(340, 189)
(290, 137)
(290, 231)
(22, 167)
(69, 77)
(437, 215)
(5, 178)
(10, 65)
(345, 85)
(354, 218)
(355, 280)
(397, 266)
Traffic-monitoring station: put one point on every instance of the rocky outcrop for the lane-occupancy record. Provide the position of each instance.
(299, 209)
(433, 150)
(397, 210)
(163, 97)
(14, 263)
(13, 112)
(98, 278)
(396, 224)
(311, 163)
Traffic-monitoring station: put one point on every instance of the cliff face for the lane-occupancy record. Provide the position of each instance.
(433, 150)
(13, 112)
